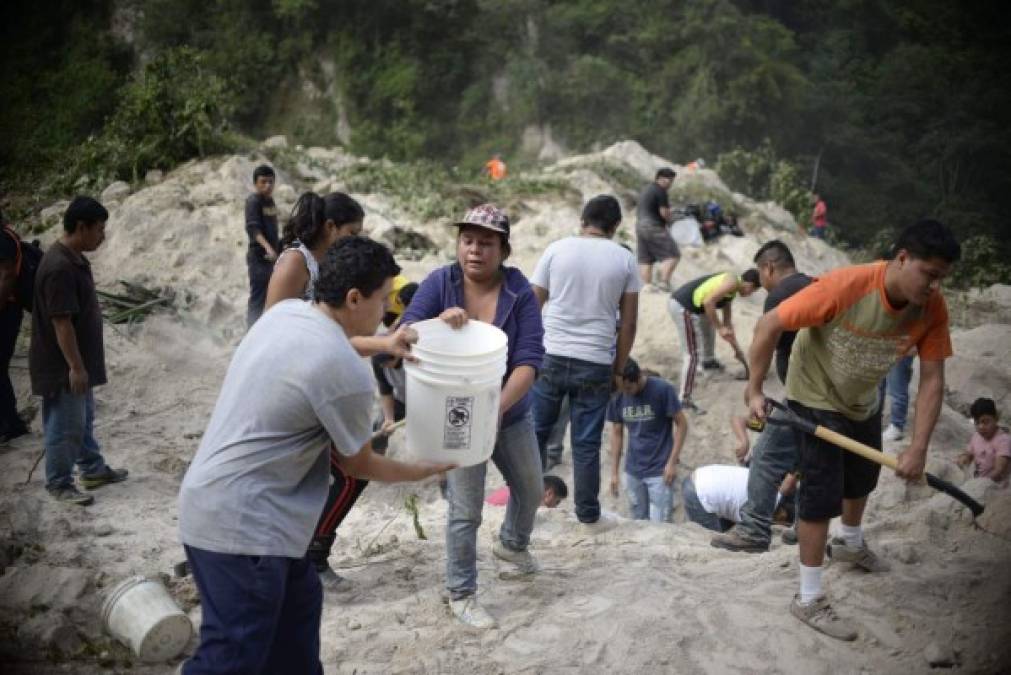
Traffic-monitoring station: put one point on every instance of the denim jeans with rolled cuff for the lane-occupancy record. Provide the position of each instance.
(518, 460)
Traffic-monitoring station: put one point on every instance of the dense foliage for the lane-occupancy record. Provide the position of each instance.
(891, 110)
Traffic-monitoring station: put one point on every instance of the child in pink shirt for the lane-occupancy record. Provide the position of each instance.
(990, 446)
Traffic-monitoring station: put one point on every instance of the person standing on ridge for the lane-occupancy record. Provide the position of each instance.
(261, 226)
(495, 168)
(653, 242)
(819, 218)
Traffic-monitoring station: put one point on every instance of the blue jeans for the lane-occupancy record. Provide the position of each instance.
(697, 513)
(515, 455)
(649, 498)
(68, 422)
(897, 385)
(261, 614)
(588, 386)
(773, 456)
(259, 279)
(556, 441)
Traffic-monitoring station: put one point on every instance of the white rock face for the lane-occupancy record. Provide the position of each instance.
(117, 191)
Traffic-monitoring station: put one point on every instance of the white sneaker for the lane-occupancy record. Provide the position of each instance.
(523, 564)
(470, 613)
(893, 433)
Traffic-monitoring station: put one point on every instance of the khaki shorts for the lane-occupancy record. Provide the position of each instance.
(653, 243)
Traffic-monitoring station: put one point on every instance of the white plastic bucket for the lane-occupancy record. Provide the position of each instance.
(453, 392)
(141, 614)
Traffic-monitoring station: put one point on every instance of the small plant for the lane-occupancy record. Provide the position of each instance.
(411, 504)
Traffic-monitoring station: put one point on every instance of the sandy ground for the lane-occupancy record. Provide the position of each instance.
(639, 597)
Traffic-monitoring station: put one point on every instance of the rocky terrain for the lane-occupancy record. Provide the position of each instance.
(640, 597)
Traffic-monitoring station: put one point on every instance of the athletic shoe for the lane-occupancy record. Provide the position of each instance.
(523, 564)
(663, 286)
(331, 580)
(470, 613)
(893, 433)
(69, 494)
(714, 364)
(734, 541)
(861, 556)
(789, 536)
(820, 616)
(107, 475)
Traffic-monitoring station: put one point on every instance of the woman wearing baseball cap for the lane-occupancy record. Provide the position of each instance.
(480, 287)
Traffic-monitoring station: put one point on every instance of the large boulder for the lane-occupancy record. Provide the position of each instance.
(980, 366)
(116, 192)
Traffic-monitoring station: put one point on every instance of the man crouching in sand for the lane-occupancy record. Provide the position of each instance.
(251, 498)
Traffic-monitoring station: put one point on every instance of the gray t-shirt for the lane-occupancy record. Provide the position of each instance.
(585, 278)
(259, 479)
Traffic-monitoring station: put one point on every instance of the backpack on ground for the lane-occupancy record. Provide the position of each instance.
(25, 266)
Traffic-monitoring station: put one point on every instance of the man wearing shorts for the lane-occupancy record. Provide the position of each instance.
(854, 323)
(653, 242)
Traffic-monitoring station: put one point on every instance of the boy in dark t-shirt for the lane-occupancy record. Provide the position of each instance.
(261, 226)
(66, 358)
(775, 450)
(657, 427)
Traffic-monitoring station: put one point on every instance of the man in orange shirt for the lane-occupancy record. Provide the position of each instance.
(495, 168)
(854, 323)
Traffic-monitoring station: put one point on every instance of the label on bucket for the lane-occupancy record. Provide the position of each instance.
(459, 415)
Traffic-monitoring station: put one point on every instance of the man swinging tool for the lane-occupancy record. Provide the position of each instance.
(857, 322)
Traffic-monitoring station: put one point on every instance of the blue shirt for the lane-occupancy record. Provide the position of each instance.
(647, 416)
(517, 314)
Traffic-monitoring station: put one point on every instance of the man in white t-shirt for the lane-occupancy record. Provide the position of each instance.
(250, 500)
(581, 283)
(714, 495)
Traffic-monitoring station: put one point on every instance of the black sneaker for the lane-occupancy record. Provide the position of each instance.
(90, 481)
(735, 541)
(68, 494)
(712, 365)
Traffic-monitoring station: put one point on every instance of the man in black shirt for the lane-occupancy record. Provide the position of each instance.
(653, 242)
(67, 355)
(261, 226)
(775, 451)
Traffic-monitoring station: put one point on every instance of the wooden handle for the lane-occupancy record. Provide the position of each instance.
(865, 451)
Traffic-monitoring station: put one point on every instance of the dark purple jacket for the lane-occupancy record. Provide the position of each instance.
(518, 315)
